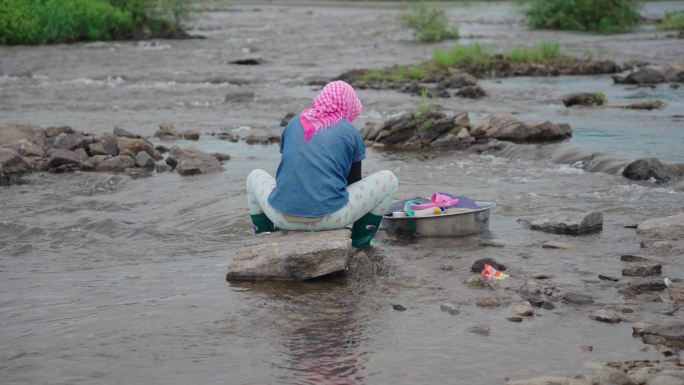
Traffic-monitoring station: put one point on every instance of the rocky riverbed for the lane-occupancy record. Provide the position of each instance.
(112, 278)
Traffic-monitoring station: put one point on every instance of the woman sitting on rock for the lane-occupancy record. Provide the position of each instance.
(318, 184)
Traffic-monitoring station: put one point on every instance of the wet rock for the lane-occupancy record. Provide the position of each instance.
(192, 161)
(556, 245)
(586, 348)
(162, 167)
(81, 154)
(514, 318)
(262, 138)
(583, 99)
(606, 316)
(54, 131)
(124, 133)
(191, 135)
(171, 162)
(478, 265)
(523, 309)
(475, 282)
(227, 136)
(642, 271)
(493, 243)
(117, 163)
(107, 145)
(504, 126)
(608, 278)
(674, 72)
(610, 376)
(549, 380)
(635, 288)
(668, 377)
(449, 308)
(669, 333)
(247, 62)
(143, 160)
(641, 76)
(668, 227)
(645, 105)
(286, 119)
(220, 156)
(573, 224)
(68, 141)
(291, 256)
(134, 146)
(458, 80)
(161, 149)
(58, 157)
(471, 92)
(480, 330)
(167, 131)
(637, 258)
(530, 289)
(398, 307)
(663, 246)
(239, 97)
(489, 302)
(11, 134)
(578, 298)
(645, 169)
(11, 163)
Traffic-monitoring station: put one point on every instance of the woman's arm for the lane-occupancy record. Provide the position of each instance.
(354, 173)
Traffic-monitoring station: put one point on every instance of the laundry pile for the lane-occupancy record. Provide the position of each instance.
(438, 204)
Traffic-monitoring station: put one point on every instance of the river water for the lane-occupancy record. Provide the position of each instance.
(112, 279)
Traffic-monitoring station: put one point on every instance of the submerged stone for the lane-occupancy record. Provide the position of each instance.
(572, 224)
(578, 298)
(291, 255)
(642, 271)
(668, 227)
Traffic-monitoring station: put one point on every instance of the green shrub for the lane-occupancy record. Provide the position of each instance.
(672, 21)
(429, 22)
(55, 21)
(583, 15)
(600, 98)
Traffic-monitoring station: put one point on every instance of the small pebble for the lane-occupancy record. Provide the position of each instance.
(398, 307)
(586, 348)
(514, 318)
(449, 308)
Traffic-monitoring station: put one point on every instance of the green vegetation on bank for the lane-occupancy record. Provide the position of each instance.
(672, 21)
(428, 22)
(57, 21)
(604, 16)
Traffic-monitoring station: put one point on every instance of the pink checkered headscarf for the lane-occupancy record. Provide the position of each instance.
(336, 100)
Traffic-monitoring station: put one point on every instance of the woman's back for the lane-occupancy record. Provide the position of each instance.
(311, 177)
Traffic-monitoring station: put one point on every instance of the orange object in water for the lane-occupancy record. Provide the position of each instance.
(489, 273)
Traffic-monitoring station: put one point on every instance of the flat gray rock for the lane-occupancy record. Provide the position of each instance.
(573, 224)
(192, 161)
(668, 227)
(670, 332)
(291, 255)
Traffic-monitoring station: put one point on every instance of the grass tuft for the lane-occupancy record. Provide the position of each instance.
(605, 16)
(672, 21)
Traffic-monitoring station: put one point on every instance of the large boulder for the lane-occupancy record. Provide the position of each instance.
(668, 227)
(416, 130)
(573, 224)
(504, 126)
(291, 256)
(674, 72)
(12, 134)
(645, 169)
(11, 163)
(60, 157)
(191, 161)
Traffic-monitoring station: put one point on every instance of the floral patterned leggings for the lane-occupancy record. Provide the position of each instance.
(371, 194)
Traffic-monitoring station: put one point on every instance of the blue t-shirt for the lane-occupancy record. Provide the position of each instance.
(312, 176)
